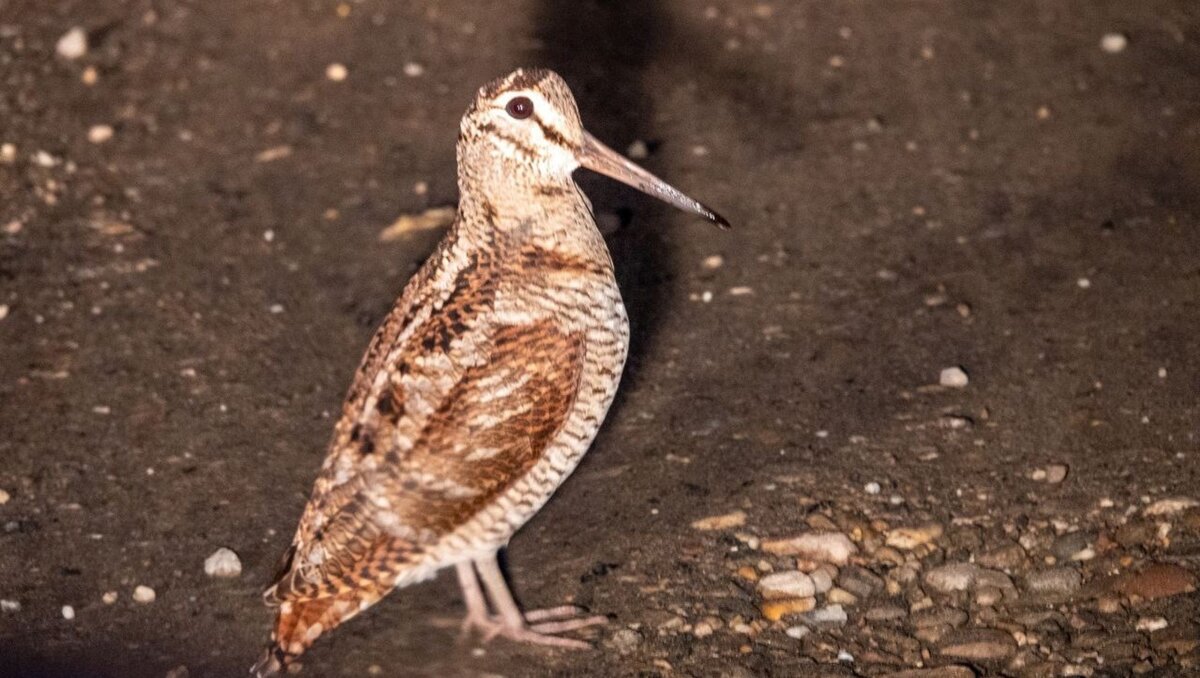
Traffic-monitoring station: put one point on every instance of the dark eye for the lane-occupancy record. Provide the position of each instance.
(519, 107)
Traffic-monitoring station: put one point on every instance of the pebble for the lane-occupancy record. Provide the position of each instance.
(1171, 506)
(841, 597)
(821, 579)
(68, 612)
(823, 547)
(1160, 580)
(638, 150)
(1114, 43)
(938, 672)
(1073, 546)
(1151, 624)
(1054, 581)
(99, 134)
(939, 616)
(1056, 473)
(797, 632)
(1007, 557)
(885, 613)
(909, 538)
(4, 497)
(833, 615)
(222, 563)
(413, 69)
(624, 641)
(144, 594)
(73, 44)
(860, 581)
(952, 577)
(791, 584)
(336, 72)
(109, 597)
(954, 377)
(10, 605)
(978, 645)
(721, 522)
(774, 610)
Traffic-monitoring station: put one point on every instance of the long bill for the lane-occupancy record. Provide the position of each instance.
(600, 158)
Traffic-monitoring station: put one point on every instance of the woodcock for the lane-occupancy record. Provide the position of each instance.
(483, 388)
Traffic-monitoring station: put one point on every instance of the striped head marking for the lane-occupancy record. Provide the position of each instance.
(524, 131)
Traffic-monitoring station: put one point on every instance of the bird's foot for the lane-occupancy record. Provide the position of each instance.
(539, 627)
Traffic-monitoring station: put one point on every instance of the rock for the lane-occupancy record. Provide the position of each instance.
(109, 597)
(860, 581)
(982, 645)
(68, 612)
(624, 641)
(953, 377)
(822, 547)
(1166, 507)
(336, 72)
(987, 596)
(1160, 580)
(885, 613)
(10, 605)
(822, 580)
(952, 577)
(909, 538)
(1054, 581)
(1008, 557)
(791, 584)
(144, 595)
(721, 522)
(947, 616)
(98, 134)
(73, 44)
(1151, 624)
(832, 615)
(411, 224)
(1074, 546)
(702, 629)
(1056, 473)
(180, 671)
(223, 563)
(4, 497)
(841, 597)
(797, 632)
(938, 672)
(1114, 43)
(638, 150)
(774, 610)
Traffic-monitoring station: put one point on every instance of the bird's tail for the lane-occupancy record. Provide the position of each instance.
(299, 623)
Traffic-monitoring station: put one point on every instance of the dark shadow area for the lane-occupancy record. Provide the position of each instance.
(583, 42)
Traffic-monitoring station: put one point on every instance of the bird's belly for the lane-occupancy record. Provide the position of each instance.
(607, 346)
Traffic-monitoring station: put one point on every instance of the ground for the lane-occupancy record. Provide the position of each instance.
(190, 268)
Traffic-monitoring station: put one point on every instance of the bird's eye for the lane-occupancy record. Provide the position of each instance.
(519, 107)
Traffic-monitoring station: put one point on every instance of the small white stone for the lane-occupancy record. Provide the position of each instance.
(10, 606)
(1083, 283)
(1151, 624)
(110, 597)
(8, 154)
(269, 235)
(953, 377)
(638, 150)
(872, 488)
(276, 309)
(1162, 373)
(336, 72)
(844, 656)
(4, 497)
(797, 632)
(144, 594)
(73, 44)
(741, 291)
(223, 563)
(68, 612)
(102, 409)
(713, 262)
(99, 134)
(1114, 43)
(413, 69)
(791, 584)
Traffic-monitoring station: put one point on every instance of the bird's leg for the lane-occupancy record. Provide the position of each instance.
(539, 626)
(477, 609)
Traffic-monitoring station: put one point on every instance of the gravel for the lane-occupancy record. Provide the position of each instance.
(223, 563)
(786, 585)
(1054, 581)
(73, 44)
(828, 547)
(953, 377)
(144, 594)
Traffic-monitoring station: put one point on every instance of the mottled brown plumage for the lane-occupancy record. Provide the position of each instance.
(482, 389)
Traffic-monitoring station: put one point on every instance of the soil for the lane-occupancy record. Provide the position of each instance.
(913, 186)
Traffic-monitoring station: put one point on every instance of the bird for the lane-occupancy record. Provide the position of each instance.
(481, 390)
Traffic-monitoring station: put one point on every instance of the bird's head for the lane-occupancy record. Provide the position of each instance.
(523, 130)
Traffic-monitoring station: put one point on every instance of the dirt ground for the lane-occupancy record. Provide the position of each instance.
(913, 186)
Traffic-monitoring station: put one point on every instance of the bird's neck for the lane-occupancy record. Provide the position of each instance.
(547, 213)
